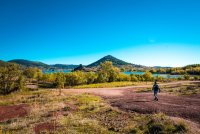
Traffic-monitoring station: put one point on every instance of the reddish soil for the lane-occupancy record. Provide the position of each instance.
(127, 99)
(9, 112)
(187, 107)
(45, 127)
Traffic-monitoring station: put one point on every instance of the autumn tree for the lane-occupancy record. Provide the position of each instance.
(21, 83)
(124, 77)
(148, 76)
(90, 77)
(107, 72)
(60, 81)
(134, 78)
(76, 78)
(9, 76)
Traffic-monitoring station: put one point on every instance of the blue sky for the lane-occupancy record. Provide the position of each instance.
(146, 32)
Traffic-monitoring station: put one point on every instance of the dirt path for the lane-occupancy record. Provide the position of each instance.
(142, 86)
(126, 98)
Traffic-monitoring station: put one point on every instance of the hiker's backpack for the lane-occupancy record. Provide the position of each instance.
(155, 88)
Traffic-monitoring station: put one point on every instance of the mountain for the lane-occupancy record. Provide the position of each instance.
(28, 63)
(160, 67)
(85, 69)
(3, 63)
(64, 66)
(115, 61)
(192, 65)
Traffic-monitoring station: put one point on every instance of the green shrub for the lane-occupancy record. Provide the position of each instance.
(134, 78)
(123, 77)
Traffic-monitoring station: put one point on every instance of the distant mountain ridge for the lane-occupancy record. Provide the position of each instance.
(116, 62)
(28, 63)
(3, 63)
(64, 66)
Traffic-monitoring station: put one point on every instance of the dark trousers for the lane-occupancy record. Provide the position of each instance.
(155, 95)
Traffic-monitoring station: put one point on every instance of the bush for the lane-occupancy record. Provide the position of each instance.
(134, 78)
(160, 124)
(196, 78)
(123, 77)
(107, 72)
(90, 77)
(148, 76)
(186, 77)
(9, 78)
(75, 78)
(159, 78)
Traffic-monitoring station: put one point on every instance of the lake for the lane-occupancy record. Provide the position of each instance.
(162, 75)
(128, 73)
(56, 71)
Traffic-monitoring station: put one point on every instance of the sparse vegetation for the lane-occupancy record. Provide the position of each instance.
(180, 89)
(41, 110)
(81, 114)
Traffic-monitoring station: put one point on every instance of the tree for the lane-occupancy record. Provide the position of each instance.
(60, 81)
(21, 83)
(123, 77)
(91, 77)
(9, 76)
(159, 78)
(75, 78)
(134, 78)
(186, 77)
(30, 72)
(196, 78)
(153, 70)
(148, 76)
(107, 72)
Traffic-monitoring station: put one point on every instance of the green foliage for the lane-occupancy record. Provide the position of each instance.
(148, 76)
(60, 80)
(186, 77)
(21, 83)
(91, 77)
(153, 70)
(75, 78)
(106, 85)
(107, 72)
(48, 78)
(124, 77)
(134, 78)
(9, 77)
(190, 69)
(196, 78)
(33, 73)
(159, 78)
(161, 124)
(115, 61)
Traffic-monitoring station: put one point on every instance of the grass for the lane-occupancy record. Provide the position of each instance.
(83, 113)
(183, 89)
(112, 84)
(179, 89)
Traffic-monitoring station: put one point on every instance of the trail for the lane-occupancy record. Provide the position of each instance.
(140, 86)
(127, 99)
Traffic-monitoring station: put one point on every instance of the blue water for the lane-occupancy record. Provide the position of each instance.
(56, 71)
(128, 73)
(162, 75)
(137, 73)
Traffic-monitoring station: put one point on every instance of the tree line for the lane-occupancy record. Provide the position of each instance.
(14, 77)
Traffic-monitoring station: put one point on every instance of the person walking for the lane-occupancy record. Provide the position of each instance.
(156, 89)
